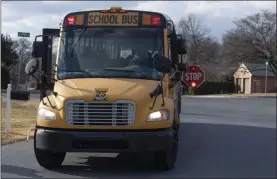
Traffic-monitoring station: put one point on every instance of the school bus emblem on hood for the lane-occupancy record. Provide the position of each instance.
(101, 95)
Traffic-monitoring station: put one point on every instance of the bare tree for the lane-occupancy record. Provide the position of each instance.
(201, 47)
(253, 39)
(23, 49)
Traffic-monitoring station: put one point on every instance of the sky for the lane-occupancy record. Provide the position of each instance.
(32, 16)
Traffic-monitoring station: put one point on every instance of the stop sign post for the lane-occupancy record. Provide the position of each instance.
(194, 76)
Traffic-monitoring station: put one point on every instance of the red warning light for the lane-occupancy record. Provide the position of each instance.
(70, 20)
(156, 20)
(193, 84)
(193, 68)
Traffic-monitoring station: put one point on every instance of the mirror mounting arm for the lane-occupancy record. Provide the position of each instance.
(43, 88)
(157, 92)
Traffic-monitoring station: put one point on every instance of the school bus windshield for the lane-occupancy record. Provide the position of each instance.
(110, 53)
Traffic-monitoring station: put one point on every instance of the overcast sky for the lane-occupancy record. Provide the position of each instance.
(32, 16)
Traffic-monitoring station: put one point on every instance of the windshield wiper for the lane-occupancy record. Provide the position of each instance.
(123, 70)
(86, 28)
(75, 71)
(77, 43)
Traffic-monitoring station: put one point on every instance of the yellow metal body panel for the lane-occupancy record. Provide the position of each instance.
(137, 90)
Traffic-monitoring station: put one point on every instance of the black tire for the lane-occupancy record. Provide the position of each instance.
(165, 160)
(48, 159)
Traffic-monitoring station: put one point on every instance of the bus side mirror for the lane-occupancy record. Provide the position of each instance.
(37, 49)
(32, 67)
(181, 46)
(162, 64)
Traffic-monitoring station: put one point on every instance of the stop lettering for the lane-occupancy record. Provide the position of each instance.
(193, 76)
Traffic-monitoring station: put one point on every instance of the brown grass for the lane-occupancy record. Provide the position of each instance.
(23, 118)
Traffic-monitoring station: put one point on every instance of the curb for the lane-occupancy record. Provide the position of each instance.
(15, 141)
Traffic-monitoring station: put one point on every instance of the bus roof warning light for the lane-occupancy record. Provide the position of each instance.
(70, 20)
(156, 20)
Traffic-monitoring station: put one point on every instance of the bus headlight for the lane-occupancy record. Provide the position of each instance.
(45, 114)
(158, 116)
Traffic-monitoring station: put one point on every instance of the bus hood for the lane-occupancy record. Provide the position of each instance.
(85, 89)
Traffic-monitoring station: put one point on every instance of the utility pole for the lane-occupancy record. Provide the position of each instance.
(266, 63)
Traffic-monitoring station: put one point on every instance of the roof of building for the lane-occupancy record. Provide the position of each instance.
(259, 69)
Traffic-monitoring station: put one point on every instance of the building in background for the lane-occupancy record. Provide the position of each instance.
(252, 78)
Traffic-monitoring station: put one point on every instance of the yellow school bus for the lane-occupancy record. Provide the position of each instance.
(116, 88)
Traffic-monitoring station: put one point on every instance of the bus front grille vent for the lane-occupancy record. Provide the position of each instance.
(81, 113)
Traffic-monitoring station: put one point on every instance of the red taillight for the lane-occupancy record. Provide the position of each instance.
(104, 11)
(70, 20)
(156, 20)
(193, 84)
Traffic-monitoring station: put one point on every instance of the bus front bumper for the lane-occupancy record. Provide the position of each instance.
(103, 141)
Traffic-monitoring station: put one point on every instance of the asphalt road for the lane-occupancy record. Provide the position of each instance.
(217, 139)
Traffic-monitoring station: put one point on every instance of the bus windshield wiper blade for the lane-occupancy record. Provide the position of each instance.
(78, 39)
(77, 43)
(124, 70)
(75, 71)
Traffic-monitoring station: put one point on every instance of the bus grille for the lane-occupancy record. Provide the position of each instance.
(81, 113)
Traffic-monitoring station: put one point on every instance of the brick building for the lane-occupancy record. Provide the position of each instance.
(251, 78)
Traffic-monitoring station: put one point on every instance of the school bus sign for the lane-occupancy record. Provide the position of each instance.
(112, 19)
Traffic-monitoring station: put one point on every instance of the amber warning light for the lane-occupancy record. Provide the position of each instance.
(114, 9)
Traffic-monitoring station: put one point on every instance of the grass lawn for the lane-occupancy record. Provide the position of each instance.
(23, 118)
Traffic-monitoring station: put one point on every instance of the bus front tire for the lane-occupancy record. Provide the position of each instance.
(165, 160)
(49, 159)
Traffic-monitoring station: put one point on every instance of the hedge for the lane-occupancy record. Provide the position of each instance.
(212, 88)
(215, 88)
(5, 78)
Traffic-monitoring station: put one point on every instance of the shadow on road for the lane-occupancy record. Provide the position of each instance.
(206, 150)
(20, 171)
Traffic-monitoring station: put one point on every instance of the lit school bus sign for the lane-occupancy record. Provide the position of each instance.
(112, 19)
